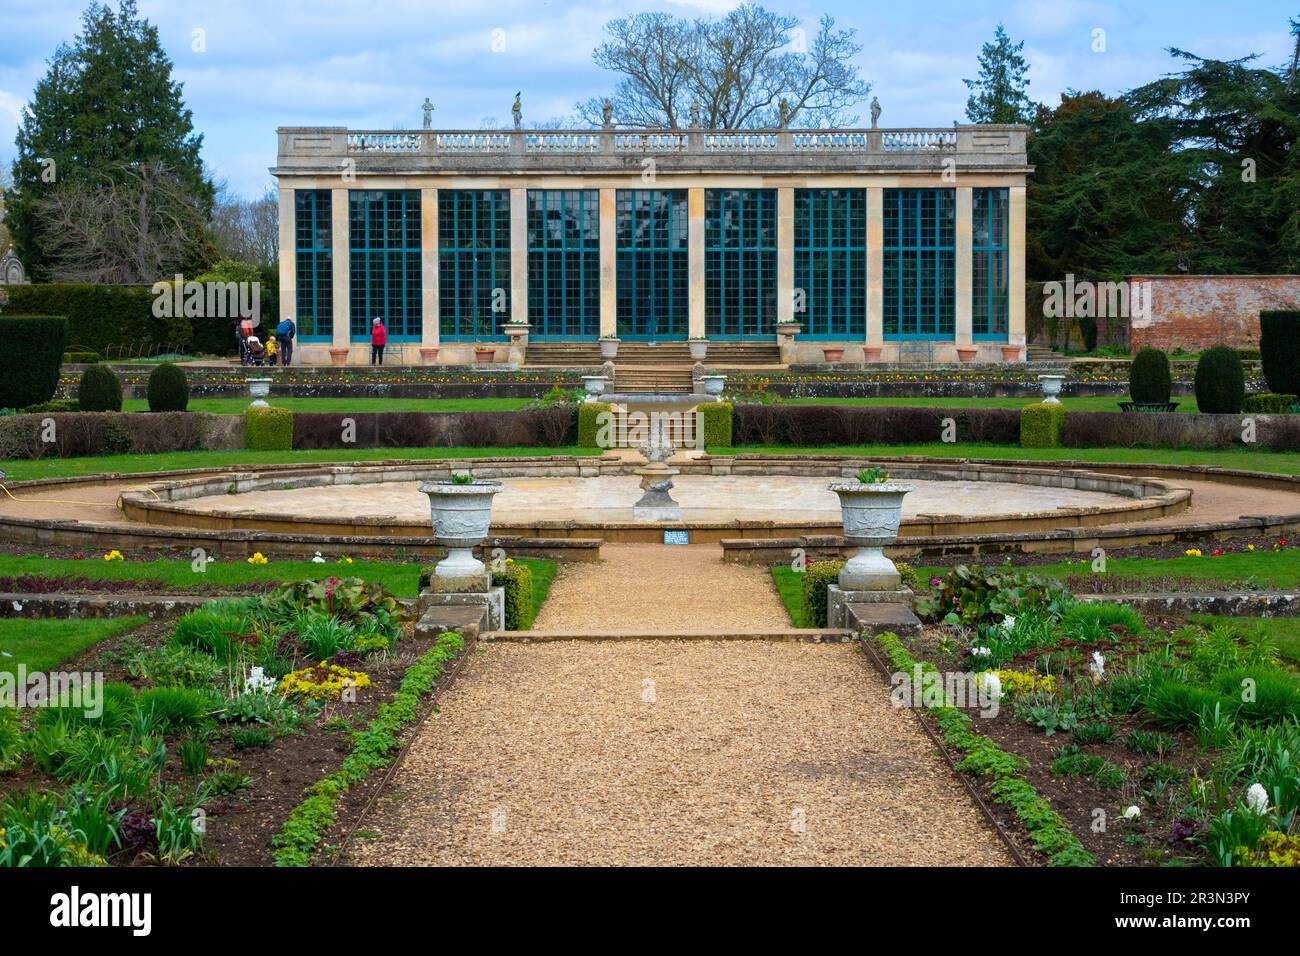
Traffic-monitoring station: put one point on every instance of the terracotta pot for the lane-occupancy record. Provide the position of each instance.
(429, 356)
(833, 355)
(1011, 353)
(484, 356)
(967, 353)
(871, 353)
(339, 356)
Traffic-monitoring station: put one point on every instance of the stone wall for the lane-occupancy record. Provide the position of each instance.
(1197, 312)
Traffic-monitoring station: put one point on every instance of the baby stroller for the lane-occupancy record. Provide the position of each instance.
(255, 351)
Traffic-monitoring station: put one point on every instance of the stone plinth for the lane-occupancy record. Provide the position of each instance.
(838, 601)
(491, 602)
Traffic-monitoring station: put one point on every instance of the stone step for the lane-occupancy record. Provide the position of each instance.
(811, 635)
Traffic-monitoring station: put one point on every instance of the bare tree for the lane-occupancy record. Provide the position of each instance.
(732, 73)
(6, 183)
(132, 229)
(247, 230)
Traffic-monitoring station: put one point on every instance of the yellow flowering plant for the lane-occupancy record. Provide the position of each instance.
(258, 558)
(114, 555)
(323, 682)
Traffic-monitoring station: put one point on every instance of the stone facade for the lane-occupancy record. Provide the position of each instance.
(962, 160)
(1197, 312)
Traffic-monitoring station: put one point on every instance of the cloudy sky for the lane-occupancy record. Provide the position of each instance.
(368, 64)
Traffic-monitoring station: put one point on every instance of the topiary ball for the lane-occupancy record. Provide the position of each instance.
(1149, 381)
(1220, 381)
(99, 390)
(168, 389)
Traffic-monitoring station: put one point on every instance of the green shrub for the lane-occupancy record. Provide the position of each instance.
(717, 424)
(1092, 621)
(817, 577)
(214, 629)
(1149, 380)
(517, 579)
(29, 374)
(99, 390)
(168, 389)
(81, 358)
(1262, 695)
(1269, 403)
(1220, 381)
(267, 428)
(588, 426)
(54, 405)
(1180, 705)
(1041, 425)
(103, 318)
(1279, 349)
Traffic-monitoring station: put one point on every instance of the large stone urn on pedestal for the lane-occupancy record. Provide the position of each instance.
(518, 333)
(657, 504)
(871, 511)
(461, 514)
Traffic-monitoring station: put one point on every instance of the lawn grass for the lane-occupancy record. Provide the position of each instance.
(169, 461)
(402, 579)
(788, 586)
(1081, 403)
(1282, 631)
(46, 642)
(1283, 463)
(237, 406)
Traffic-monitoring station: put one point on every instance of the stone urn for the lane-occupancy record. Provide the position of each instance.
(785, 336)
(699, 348)
(594, 384)
(712, 384)
(1051, 388)
(259, 388)
(429, 355)
(518, 334)
(871, 513)
(461, 516)
(609, 348)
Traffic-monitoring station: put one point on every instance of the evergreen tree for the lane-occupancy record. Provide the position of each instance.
(106, 105)
(999, 96)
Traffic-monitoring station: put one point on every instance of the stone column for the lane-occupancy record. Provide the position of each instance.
(288, 262)
(342, 268)
(875, 267)
(519, 255)
(695, 260)
(785, 254)
(965, 266)
(1016, 267)
(429, 268)
(608, 260)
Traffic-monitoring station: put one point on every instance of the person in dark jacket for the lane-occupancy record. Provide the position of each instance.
(285, 333)
(378, 339)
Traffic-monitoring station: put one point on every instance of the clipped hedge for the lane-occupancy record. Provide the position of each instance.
(78, 434)
(1267, 403)
(1149, 381)
(168, 390)
(717, 418)
(1279, 349)
(588, 424)
(809, 425)
(99, 390)
(267, 428)
(817, 577)
(81, 358)
(1041, 425)
(517, 579)
(549, 427)
(29, 374)
(1220, 381)
(102, 318)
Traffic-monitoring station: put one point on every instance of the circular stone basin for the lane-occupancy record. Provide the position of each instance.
(783, 501)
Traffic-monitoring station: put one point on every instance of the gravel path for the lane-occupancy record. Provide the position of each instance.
(659, 752)
(661, 588)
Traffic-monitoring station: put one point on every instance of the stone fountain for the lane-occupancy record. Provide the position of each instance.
(656, 503)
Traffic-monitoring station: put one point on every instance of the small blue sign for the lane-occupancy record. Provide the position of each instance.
(677, 537)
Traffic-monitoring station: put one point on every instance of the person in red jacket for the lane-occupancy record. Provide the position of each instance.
(378, 339)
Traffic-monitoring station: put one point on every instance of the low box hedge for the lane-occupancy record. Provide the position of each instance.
(81, 358)
(78, 434)
(268, 429)
(1267, 403)
(812, 425)
(1041, 425)
(717, 418)
(588, 422)
(549, 427)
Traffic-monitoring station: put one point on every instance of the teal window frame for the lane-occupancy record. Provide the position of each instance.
(563, 264)
(830, 263)
(313, 264)
(990, 279)
(740, 264)
(473, 262)
(919, 265)
(652, 264)
(384, 257)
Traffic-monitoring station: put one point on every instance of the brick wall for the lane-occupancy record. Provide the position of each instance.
(1196, 312)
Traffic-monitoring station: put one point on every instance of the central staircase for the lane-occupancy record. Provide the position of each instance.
(661, 367)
